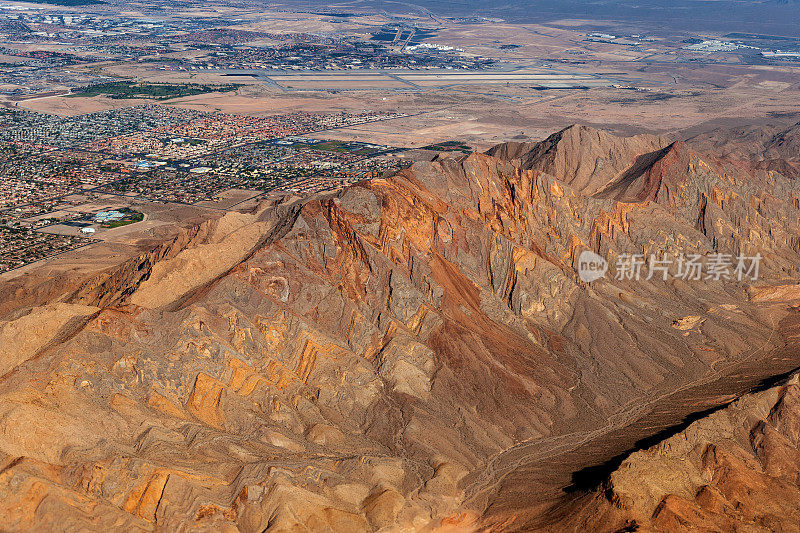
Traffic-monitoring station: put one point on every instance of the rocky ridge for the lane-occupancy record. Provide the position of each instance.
(356, 361)
(733, 470)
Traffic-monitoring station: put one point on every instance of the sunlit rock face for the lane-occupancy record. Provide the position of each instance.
(353, 362)
(733, 470)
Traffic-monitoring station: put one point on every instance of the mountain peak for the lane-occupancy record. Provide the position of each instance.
(586, 158)
(374, 356)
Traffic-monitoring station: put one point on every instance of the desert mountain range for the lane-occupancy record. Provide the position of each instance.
(420, 353)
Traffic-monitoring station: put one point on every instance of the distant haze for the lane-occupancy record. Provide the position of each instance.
(781, 17)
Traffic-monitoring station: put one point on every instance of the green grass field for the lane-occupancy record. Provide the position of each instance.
(449, 146)
(120, 90)
(131, 216)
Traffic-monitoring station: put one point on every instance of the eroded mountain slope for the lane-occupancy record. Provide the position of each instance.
(368, 359)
